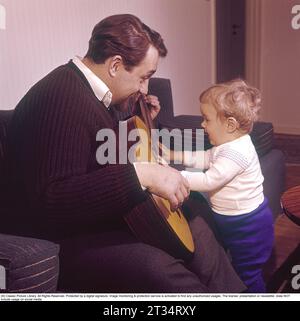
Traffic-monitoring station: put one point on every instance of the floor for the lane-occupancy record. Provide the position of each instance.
(286, 253)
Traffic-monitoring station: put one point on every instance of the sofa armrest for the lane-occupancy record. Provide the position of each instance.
(274, 171)
(29, 265)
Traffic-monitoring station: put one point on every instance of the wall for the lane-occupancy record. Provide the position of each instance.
(42, 34)
(273, 61)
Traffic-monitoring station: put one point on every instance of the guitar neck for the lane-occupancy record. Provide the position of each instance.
(145, 112)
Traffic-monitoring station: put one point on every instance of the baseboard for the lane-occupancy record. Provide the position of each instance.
(286, 129)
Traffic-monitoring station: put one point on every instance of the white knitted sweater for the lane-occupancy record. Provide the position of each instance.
(233, 178)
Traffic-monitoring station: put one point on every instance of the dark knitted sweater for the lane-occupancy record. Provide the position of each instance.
(54, 178)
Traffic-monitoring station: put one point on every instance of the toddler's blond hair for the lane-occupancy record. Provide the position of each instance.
(236, 99)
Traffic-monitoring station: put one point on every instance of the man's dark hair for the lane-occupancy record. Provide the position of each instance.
(123, 35)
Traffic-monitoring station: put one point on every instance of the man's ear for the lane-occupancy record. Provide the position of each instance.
(232, 124)
(114, 65)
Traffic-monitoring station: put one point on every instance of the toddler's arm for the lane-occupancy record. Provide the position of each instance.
(218, 175)
(198, 159)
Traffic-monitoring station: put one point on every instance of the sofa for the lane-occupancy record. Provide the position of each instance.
(32, 265)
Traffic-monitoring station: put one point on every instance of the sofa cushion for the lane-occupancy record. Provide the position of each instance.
(261, 135)
(31, 265)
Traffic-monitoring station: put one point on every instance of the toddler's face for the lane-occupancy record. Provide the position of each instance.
(214, 126)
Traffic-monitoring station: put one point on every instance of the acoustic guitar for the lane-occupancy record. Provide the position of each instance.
(153, 222)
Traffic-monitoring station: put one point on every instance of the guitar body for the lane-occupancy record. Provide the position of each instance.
(153, 222)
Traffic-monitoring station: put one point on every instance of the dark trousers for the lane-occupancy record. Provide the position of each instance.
(116, 261)
(249, 239)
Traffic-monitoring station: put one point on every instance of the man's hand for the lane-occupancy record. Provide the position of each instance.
(153, 104)
(164, 181)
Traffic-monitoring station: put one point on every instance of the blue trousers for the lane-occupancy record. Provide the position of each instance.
(249, 239)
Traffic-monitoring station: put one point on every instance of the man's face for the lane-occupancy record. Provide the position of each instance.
(137, 79)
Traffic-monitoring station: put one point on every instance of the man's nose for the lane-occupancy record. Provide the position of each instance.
(144, 87)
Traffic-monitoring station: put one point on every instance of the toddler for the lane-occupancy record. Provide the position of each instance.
(233, 178)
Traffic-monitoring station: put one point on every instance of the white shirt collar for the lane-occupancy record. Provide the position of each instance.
(100, 89)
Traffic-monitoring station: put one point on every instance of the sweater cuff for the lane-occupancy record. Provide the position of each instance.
(184, 173)
(130, 181)
(143, 187)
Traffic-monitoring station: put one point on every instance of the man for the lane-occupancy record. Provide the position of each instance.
(67, 196)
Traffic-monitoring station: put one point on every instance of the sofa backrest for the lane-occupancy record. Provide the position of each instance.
(5, 117)
(161, 87)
